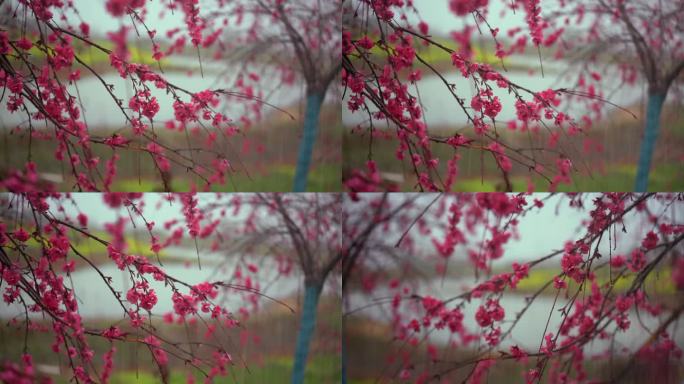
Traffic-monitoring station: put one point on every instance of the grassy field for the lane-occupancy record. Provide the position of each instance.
(658, 283)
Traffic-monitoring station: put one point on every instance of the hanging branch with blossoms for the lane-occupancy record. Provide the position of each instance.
(46, 51)
(383, 62)
(41, 247)
(606, 284)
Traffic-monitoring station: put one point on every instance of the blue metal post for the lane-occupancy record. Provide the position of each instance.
(653, 109)
(306, 329)
(314, 101)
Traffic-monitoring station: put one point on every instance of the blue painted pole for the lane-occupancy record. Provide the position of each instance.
(314, 101)
(653, 109)
(306, 329)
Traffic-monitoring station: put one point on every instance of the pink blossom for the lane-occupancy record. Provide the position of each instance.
(549, 344)
(82, 220)
(113, 333)
(617, 261)
(84, 28)
(120, 7)
(69, 266)
(108, 359)
(650, 241)
(144, 104)
(21, 235)
(365, 42)
(518, 354)
(463, 7)
(489, 313)
(159, 354)
(24, 44)
(142, 295)
(638, 261)
(502, 160)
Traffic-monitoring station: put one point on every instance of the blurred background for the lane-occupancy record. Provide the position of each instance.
(263, 153)
(376, 354)
(261, 346)
(605, 158)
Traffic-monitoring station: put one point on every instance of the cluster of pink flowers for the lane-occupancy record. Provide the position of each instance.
(108, 366)
(192, 213)
(199, 299)
(144, 104)
(503, 161)
(454, 235)
(534, 20)
(549, 344)
(650, 241)
(501, 204)
(661, 350)
(20, 374)
(193, 21)
(365, 181)
(142, 295)
(159, 354)
(571, 263)
(564, 166)
(121, 7)
(490, 312)
(486, 103)
(464, 7)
